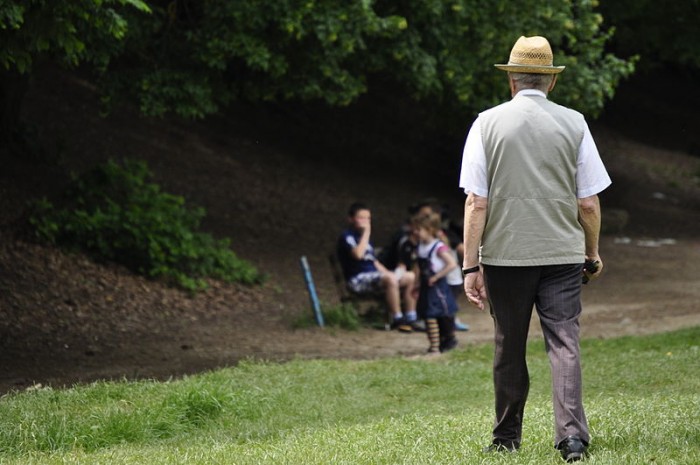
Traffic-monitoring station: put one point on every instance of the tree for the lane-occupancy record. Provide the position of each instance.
(69, 32)
(193, 57)
(205, 55)
(460, 40)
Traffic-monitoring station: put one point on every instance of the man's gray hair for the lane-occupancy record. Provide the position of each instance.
(532, 81)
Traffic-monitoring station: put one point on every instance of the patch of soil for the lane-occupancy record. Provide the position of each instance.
(278, 184)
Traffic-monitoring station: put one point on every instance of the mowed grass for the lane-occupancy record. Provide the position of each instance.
(642, 396)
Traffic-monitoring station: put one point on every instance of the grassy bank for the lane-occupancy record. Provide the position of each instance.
(642, 397)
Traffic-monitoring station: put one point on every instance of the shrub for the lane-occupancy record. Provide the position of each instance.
(114, 213)
(340, 316)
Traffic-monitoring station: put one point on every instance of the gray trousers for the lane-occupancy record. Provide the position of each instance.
(555, 291)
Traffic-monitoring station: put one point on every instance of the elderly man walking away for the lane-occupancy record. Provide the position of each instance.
(532, 172)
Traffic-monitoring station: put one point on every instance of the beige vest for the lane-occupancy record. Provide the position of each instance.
(531, 147)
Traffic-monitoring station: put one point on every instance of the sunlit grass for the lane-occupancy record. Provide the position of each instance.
(641, 394)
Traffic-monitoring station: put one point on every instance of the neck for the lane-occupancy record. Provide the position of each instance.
(514, 90)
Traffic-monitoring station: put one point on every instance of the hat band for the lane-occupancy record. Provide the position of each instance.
(531, 58)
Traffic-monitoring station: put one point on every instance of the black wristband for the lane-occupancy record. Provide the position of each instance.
(466, 271)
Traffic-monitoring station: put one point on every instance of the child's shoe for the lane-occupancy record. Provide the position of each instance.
(448, 344)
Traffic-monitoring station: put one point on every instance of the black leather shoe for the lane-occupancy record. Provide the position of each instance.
(500, 445)
(572, 449)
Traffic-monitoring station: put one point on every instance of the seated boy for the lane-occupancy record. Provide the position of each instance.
(365, 274)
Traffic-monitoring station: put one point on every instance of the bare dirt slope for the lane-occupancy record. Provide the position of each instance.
(279, 189)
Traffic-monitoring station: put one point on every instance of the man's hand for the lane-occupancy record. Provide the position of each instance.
(475, 289)
(362, 222)
(596, 264)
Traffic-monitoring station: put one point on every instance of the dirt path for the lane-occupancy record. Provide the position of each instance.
(144, 337)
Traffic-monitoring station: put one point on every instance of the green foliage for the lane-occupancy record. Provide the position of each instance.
(455, 45)
(114, 213)
(69, 31)
(208, 54)
(193, 58)
(341, 316)
(386, 411)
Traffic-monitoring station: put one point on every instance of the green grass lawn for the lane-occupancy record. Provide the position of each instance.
(642, 396)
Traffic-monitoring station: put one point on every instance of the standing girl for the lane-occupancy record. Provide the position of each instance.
(436, 302)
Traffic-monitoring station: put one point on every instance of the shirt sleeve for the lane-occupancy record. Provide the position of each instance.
(346, 243)
(473, 175)
(350, 242)
(442, 247)
(591, 175)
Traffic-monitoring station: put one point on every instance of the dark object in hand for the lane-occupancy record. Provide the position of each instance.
(590, 266)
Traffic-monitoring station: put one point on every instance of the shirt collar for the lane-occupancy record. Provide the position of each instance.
(531, 92)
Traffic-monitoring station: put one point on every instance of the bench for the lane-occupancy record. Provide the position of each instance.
(363, 303)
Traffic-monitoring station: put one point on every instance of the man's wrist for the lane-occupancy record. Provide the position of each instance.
(473, 269)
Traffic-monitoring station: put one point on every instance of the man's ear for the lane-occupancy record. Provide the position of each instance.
(511, 83)
(554, 82)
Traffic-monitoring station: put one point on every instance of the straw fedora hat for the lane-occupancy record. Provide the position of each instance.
(531, 55)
